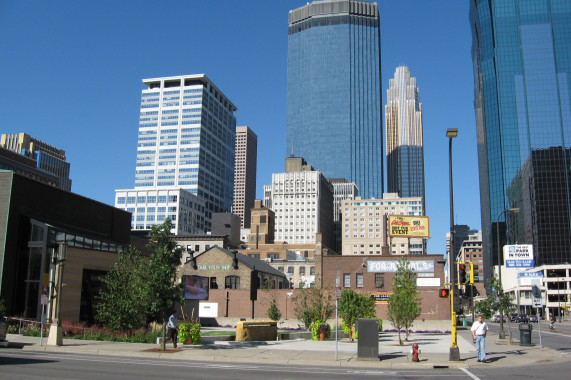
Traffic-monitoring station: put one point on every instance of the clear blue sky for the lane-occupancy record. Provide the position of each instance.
(71, 76)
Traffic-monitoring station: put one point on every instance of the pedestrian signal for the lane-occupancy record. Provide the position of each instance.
(443, 293)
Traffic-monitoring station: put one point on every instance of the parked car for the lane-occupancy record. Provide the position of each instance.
(3, 329)
(496, 318)
(533, 318)
(513, 317)
(522, 318)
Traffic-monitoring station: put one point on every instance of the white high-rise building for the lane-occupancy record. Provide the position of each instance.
(185, 150)
(302, 200)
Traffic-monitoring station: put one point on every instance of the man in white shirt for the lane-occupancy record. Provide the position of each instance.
(173, 329)
(479, 331)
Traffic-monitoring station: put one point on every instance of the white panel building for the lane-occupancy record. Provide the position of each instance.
(185, 149)
(302, 200)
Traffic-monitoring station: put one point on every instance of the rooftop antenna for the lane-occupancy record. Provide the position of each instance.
(291, 149)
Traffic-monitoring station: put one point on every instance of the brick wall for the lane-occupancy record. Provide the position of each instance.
(433, 307)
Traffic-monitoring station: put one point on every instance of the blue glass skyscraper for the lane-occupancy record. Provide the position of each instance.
(522, 68)
(334, 117)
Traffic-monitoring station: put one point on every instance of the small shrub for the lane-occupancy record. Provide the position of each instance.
(318, 326)
(273, 312)
(188, 330)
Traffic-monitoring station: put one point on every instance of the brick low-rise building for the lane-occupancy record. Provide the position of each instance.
(373, 275)
(218, 265)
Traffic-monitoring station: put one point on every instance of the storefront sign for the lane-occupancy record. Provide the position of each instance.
(391, 266)
(530, 278)
(423, 281)
(381, 297)
(214, 267)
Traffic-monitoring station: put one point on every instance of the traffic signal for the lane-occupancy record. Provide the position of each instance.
(471, 273)
(234, 261)
(469, 292)
(443, 293)
(462, 273)
(254, 285)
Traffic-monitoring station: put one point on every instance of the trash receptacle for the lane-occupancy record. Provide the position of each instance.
(525, 334)
(464, 323)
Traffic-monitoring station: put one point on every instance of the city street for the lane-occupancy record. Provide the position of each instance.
(18, 364)
(558, 339)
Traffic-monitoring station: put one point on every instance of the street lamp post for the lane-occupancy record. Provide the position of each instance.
(454, 350)
(56, 337)
(515, 210)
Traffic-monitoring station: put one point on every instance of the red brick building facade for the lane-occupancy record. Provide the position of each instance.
(374, 275)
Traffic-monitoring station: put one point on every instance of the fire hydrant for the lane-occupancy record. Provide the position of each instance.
(415, 351)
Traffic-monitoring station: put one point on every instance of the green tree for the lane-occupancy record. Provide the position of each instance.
(353, 306)
(161, 290)
(497, 300)
(122, 306)
(313, 304)
(273, 312)
(404, 304)
(139, 289)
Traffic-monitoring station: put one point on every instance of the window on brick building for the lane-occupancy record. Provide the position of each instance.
(232, 282)
(359, 280)
(380, 280)
(346, 280)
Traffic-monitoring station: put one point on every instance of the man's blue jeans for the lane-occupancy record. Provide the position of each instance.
(481, 347)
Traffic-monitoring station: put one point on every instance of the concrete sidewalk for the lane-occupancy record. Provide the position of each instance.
(434, 348)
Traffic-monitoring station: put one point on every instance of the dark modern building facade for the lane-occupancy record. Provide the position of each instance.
(522, 69)
(334, 116)
(36, 218)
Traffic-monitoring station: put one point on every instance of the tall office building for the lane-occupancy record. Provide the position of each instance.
(245, 174)
(48, 159)
(185, 154)
(302, 199)
(334, 116)
(404, 137)
(365, 226)
(522, 72)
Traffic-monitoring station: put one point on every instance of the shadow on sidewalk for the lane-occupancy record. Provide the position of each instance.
(19, 345)
(494, 359)
(22, 361)
(229, 345)
(392, 355)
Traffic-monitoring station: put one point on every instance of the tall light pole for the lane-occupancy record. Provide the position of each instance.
(515, 210)
(454, 350)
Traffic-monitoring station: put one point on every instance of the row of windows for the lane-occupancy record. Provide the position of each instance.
(145, 199)
(360, 281)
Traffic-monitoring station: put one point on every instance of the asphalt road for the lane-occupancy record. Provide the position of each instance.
(17, 364)
(558, 339)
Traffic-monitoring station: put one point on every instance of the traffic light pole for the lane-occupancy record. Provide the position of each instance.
(454, 351)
